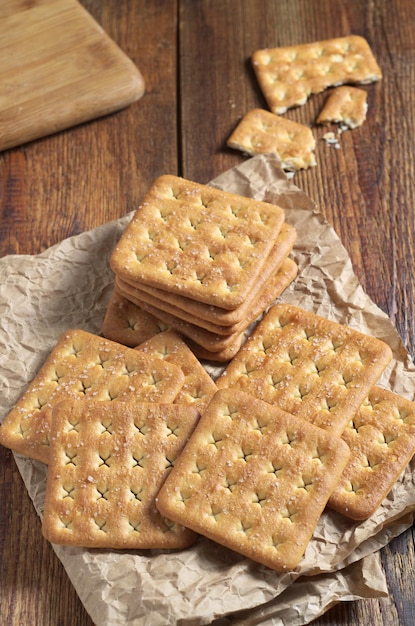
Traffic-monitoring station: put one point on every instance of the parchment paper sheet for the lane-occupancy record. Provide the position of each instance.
(69, 286)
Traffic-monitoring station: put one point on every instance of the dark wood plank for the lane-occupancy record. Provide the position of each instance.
(57, 187)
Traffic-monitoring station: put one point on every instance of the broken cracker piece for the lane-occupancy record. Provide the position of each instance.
(261, 132)
(346, 106)
(288, 75)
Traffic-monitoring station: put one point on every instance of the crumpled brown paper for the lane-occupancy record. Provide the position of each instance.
(69, 286)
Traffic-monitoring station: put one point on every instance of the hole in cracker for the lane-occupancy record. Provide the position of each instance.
(68, 492)
(245, 527)
(353, 486)
(141, 428)
(183, 496)
(154, 379)
(73, 424)
(260, 425)
(229, 484)
(137, 493)
(230, 411)
(306, 483)
(129, 370)
(71, 457)
(167, 526)
(103, 359)
(199, 468)
(371, 462)
(135, 526)
(215, 439)
(102, 493)
(66, 522)
(276, 467)
(138, 460)
(21, 430)
(317, 455)
(106, 426)
(289, 514)
(75, 350)
(275, 542)
(288, 438)
(245, 454)
(101, 524)
(173, 430)
(276, 380)
(169, 463)
(215, 511)
(56, 377)
(105, 458)
(260, 498)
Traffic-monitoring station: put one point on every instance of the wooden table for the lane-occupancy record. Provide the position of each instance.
(194, 55)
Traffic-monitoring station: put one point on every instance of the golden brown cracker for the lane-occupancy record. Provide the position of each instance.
(107, 463)
(263, 132)
(346, 106)
(381, 437)
(310, 366)
(254, 479)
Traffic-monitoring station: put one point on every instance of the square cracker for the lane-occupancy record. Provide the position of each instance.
(126, 323)
(107, 464)
(198, 387)
(310, 366)
(381, 437)
(262, 132)
(346, 106)
(84, 365)
(254, 479)
(192, 239)
(287, 76)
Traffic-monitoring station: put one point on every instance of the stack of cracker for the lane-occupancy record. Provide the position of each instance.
(204, 262)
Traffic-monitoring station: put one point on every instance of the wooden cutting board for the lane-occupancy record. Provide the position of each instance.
(58, 69)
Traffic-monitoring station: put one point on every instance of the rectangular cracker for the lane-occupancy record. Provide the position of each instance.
(201, 242)
(263, 132)
(288, 75)
(381, 437)
(254, 479)
(84, 365)
(346, 106)
(107, 464)
(218, 315)
(310, 366)
(198, 387)
(256, 304)
(126, 323)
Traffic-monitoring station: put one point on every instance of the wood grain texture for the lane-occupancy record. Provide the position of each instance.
(195, 59)
(59, 69)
